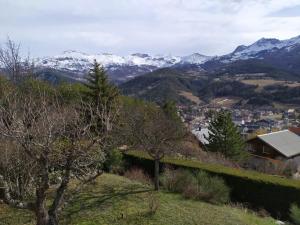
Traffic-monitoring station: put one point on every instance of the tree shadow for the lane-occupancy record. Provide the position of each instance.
(103, 198)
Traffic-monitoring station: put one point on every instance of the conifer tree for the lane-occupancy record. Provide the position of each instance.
(169, 108)
(103, 95)
(224, 137)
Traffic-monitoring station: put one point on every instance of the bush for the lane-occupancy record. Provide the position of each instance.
(198, 186)
(114, 162)
(214, 187)
(257, 190)
(176, 180)
(286, 169)
(295, 214)
(137, 174)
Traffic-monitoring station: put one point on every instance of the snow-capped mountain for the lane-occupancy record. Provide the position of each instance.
(78, 61)
(120, 68)
(259, 48)
(195, 58)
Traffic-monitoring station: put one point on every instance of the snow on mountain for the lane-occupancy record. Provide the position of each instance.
(78, 61)
(122, 68)
(264, 44)
(195, 58)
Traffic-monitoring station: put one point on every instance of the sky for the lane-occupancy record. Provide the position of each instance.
(177, 27)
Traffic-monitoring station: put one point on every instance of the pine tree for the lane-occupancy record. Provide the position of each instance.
(224, 137)
(169, 108)
(103, 96)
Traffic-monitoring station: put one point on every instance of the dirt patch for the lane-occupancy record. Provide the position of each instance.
(190, 96)
(227, 102)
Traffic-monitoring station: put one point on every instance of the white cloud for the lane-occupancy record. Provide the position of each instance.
(157, 26)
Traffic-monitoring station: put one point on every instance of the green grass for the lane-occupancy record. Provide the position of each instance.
(115, 200)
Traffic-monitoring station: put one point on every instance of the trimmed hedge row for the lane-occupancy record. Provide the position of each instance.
(256, 190)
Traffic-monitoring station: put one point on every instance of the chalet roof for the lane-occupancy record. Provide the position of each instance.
(285, 142)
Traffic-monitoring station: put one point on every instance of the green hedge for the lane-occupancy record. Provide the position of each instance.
(256, 190)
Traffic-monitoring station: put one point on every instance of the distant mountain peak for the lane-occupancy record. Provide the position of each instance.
(76, 60)
(263, 41)
(195, 58)
(135, 64)
(258, 48)
(240, 48)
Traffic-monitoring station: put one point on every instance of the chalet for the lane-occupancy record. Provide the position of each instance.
(295, 130)
(281, 145)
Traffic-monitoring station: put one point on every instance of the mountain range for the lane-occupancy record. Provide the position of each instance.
(120, 68)
(281, 56)
(264, 74)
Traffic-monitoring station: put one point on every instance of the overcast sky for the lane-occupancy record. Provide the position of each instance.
(211, 27)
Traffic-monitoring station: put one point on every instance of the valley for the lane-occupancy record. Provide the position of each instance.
(150, 112)
(252, 80)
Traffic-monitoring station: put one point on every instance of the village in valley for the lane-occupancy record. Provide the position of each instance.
(272, 136)
(182, 112)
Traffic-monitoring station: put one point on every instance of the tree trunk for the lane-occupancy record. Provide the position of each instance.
(45, 218)
(53, 219)
(42, 217)
(156, 174)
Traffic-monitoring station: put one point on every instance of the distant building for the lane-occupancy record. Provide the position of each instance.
(201, 134)
(253, 126)
(291, 113)
(281, 145)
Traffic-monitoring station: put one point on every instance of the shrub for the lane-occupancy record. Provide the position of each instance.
(295, 214)
(176, 180)
(114, 162)
(214, 187)
(198, 186)
(138, 175)
(257, 190)
(286, 169)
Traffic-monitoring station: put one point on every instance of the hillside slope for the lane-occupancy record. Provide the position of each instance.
(163, 84)
(114, 200)
(186, 88)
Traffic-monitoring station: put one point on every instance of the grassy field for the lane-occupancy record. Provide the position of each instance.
(261, 83)
(114, 200)
(191, 97)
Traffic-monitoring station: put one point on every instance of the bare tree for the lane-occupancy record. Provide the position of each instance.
(55, 141)
(13, 64)
(148, 128)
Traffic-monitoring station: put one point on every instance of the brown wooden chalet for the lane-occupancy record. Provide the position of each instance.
(279, 145)
(295, 130)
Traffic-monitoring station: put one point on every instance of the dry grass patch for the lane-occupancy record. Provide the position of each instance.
(191, 97)
(261, 83)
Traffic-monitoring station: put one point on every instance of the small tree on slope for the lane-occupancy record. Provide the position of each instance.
(224, 137)
(103, 96)
(149, 128)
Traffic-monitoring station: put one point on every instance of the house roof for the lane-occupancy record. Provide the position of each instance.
(285, 142)
(201, 135)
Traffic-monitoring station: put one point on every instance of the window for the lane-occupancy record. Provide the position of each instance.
(265, 150)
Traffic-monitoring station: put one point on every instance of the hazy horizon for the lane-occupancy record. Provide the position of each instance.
(178, 27)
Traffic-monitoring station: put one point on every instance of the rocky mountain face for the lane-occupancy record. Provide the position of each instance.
(261, 56)
(259, 48)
